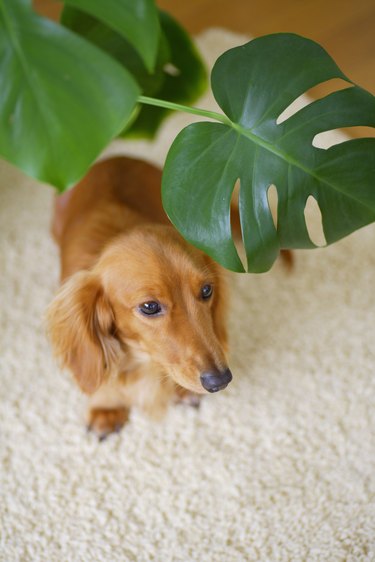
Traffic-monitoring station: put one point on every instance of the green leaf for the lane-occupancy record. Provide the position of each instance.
(119, 48)
(185, 79)
(61, 101)
(179, 74)
(253, 85)
(135, 20)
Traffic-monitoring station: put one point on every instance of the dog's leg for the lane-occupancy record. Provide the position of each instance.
(287, 258)
(107, 412)
(188, 398)
(104, 421)
(143, 387)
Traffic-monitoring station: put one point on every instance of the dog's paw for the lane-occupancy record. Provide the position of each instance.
(104, 421)
(188, 398)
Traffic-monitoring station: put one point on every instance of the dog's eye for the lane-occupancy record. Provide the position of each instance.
(149, 308)
(206, 291)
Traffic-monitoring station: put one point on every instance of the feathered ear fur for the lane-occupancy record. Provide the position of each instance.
(81, 327)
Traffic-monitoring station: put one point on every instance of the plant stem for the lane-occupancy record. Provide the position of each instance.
(186, 109)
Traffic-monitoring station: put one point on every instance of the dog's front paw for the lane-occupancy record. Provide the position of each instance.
(103, 421)
(188, 398)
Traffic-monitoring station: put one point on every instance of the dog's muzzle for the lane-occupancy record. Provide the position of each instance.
(216, 380)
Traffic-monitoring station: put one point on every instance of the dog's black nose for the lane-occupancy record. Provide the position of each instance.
(216, 380)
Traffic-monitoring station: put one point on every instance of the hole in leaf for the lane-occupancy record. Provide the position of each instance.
(236, 222)
(273, 199)
(314, 224)
(326, 139)
(171, 69)
(313, 94)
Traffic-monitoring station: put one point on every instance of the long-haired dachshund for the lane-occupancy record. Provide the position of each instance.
(140, 316)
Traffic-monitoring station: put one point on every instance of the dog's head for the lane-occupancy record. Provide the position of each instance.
(150, 297)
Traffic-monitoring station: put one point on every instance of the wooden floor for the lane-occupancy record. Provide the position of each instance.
(345, 28)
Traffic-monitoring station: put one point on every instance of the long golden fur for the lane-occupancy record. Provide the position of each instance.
(119, 251)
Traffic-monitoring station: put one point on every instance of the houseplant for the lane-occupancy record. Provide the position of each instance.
(58, 112)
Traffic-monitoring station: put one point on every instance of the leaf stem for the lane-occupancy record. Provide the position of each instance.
(186, 109)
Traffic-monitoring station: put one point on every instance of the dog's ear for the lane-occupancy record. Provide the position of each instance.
(81, 327)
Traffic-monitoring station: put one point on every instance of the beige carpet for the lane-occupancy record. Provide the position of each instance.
(279, 467)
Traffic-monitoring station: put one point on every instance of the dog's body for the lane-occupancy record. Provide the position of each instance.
(140, 317)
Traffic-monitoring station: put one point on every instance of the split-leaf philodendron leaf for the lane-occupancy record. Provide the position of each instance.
(61, 99)
(136, 20)
(253, 85)
(178, 76)
(184, 85)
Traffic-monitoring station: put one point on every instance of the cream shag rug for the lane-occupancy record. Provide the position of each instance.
(280, 466)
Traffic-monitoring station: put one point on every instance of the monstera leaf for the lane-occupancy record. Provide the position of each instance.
(137, 21)
(185, 79)
(119, 47)
(178, 75)
(253, 85)
(58, 110)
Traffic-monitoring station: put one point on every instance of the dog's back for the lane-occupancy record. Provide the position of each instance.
(116, 195)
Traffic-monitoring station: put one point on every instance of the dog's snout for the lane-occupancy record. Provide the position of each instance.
(216, 380)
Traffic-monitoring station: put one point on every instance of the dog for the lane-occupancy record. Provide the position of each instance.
(140, 318)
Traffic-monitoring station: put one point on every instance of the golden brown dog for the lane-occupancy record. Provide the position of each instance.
(140, 316)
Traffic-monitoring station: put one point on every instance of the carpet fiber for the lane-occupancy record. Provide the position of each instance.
(278, 467)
